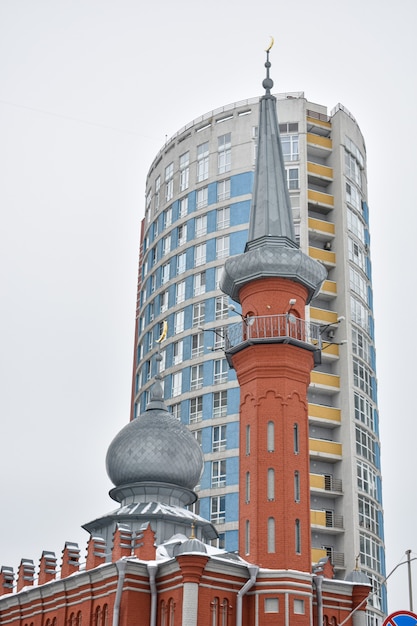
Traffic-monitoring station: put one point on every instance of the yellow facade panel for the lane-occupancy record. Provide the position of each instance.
(332, 448)
(317, 481)
(318, 197)
(329, 348)
(317, 122)
(317, 554)
(320, 170)
(325, 256)
(327, 380)
(318, 518)
(329, 286)
(318, 140)
(321, 225)
(324, 412)
(322, 315)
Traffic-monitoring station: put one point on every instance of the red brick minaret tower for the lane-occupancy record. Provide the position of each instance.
(273, 352)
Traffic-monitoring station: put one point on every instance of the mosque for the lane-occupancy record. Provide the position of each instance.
(151, 560)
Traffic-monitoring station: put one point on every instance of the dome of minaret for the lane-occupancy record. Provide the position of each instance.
(155, 448)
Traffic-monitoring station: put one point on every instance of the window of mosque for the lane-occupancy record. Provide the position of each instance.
(271, 484)
(271, 605)
(299, 608)
(271, 535)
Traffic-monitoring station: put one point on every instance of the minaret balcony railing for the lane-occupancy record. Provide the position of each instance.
(284, 328)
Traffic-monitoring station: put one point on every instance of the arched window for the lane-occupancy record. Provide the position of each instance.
(271, 437)
(297, 536)
(297, 486)
(247, 537)
(171, 612)
(79, 618)
(296, 442)
(247, 487)
(271, 535)
(224, 612)
(214, 607)
(271, 484)
(163, 612)
(105, 616)
(97, 616)
(247, 440)
(71, 619)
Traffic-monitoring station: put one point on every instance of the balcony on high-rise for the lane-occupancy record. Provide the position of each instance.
(324, 450)
(319, 201)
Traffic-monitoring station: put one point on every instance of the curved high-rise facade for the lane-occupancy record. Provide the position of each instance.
(198, 197)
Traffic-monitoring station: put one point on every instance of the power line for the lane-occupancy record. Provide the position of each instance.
(75, 119)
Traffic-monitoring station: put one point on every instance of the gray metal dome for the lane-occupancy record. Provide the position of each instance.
(155, 447)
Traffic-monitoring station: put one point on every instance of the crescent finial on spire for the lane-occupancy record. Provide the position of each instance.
(267, 83)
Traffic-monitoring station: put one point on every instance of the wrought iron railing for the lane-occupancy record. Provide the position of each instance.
(280, 328)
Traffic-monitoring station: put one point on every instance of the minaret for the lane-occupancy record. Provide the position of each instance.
(273, 351)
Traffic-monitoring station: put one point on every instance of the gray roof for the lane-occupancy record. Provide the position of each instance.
(155, 447)
(271, 214)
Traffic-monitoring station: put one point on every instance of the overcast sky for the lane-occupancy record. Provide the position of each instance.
(89, 90)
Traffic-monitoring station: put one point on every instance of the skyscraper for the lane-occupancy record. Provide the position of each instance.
(198, 197)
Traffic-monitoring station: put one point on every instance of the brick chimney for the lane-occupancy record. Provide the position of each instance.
(70, 559)
(25, 574)
(47, 567)
(6, 580)
(122, 542)
(96, 552)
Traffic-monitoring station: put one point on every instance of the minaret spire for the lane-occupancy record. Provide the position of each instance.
(271, 217)
(271, 250)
